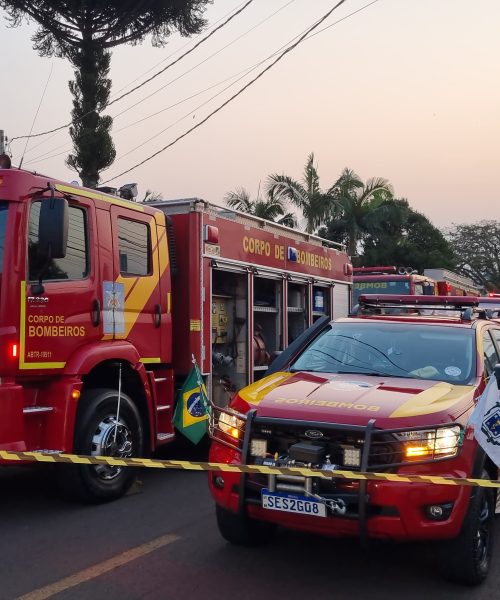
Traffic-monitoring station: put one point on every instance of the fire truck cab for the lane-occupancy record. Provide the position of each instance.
(449, 283)
(390, 280)
(104, 302)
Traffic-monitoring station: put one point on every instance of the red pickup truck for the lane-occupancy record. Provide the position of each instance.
(389, 389)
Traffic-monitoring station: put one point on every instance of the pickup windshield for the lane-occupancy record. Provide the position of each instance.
(392, 349)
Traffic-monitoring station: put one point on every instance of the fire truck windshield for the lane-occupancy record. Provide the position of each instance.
(379, 287)
(392, 349)
(3, 223)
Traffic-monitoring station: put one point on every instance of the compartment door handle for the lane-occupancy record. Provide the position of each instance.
(96, 312)
(157, 315)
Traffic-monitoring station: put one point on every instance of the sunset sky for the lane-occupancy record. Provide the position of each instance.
(408, 90)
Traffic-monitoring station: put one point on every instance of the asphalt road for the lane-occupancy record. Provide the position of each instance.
(162, 542)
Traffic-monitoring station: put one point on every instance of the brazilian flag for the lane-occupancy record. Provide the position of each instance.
(191, 412)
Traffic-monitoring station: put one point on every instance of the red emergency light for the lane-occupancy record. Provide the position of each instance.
(211, 234)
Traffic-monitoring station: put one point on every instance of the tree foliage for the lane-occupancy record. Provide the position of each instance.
(315, 204)
(84, 31)
(407, 238)
(271, 207)
(477, 250)
(358, 208)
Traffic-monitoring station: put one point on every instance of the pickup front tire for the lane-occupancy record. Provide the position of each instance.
(240, 530)
(467, 558)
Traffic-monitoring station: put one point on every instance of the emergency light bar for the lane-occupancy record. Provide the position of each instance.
(374, 270)
(467, 306)
(447, 302)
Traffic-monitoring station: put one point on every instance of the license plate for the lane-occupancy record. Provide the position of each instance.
(301, 505)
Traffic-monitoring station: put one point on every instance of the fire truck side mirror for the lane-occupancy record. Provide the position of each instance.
(53, 228)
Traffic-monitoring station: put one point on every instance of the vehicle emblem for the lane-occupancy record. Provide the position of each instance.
(491, 425)
(313, 434)
(37, 300)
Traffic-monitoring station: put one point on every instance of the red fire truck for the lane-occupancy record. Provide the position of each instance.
(390, 280)
(104, 302)
(449, 283)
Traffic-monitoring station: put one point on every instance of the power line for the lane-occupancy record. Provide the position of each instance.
(37, 111)
(244, 71)
(43, 155)
(189, 43)
(239, 74)
(234, 96)
(174, 62)
(204, 39)
(204, 60)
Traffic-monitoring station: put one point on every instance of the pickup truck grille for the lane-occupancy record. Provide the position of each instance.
(342, 446)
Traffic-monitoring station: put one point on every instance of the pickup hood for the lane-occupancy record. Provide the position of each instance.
(355, 399)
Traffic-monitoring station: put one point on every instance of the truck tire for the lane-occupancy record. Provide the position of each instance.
(467, 558)
(240, 530)
(94, 435)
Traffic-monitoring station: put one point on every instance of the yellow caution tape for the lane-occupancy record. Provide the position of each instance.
(232, 468)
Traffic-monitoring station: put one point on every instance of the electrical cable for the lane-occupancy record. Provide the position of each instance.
(37, 111)
(245, 72)
(39, 157)
(170, 55)
(234, 96)
(203, 61)
(204, 39)
(117, 92)
(242, 73)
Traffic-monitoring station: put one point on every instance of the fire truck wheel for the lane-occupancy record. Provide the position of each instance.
(240, 530)
(97, 432)
(467, 558)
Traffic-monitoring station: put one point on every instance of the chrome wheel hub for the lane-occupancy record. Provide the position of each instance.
(111, 438)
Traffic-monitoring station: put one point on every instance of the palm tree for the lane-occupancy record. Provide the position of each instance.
(359, 207)
(306, 194)
(270, 208)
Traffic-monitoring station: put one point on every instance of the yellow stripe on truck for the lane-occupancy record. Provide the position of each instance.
(441, 396)
(138, 290)
(255, 393)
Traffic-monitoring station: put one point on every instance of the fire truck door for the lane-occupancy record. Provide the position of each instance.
(57, 321)
(135, 290)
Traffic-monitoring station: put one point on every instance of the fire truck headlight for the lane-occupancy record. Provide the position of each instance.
(231, 425)
(442, 442)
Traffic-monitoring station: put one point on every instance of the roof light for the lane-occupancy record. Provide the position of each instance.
(419, 300)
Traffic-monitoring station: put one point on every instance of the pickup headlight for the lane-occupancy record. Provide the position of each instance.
(227, 426)
(231, 425)
(441, 442)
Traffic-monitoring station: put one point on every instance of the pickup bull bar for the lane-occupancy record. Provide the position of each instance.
(367, 433)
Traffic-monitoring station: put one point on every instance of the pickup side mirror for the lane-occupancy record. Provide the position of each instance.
(496, 372)
(53, 227)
